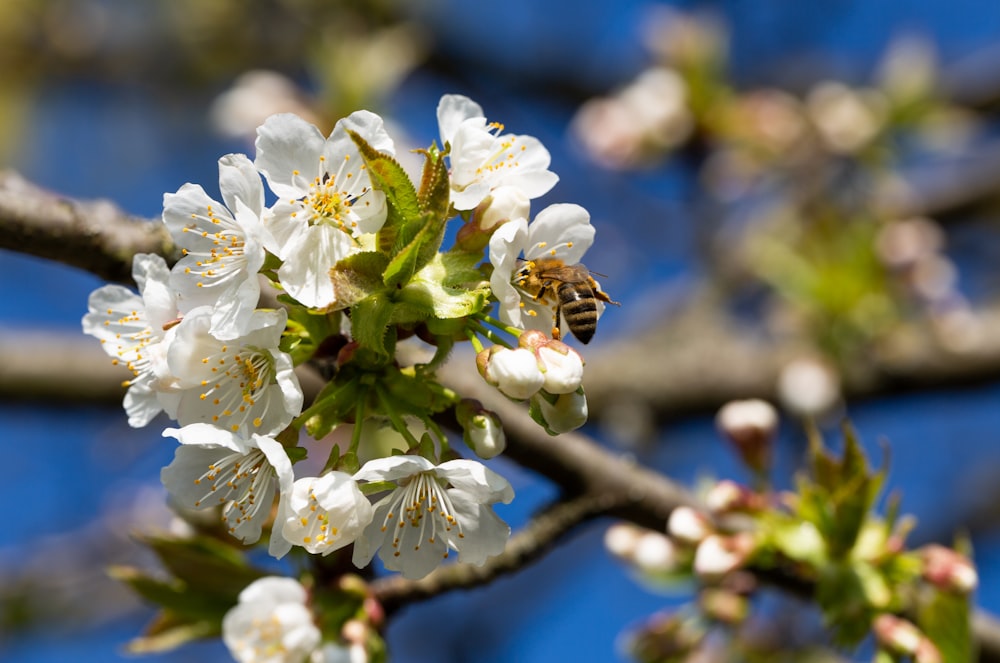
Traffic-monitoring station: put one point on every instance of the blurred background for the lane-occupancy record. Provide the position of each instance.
(822, 175)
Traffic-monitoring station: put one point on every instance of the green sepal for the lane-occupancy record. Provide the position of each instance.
(358, 276)
(335, 404)
(370, 318)
(535, 410)
(305, 330)
(842, 596)
(449, 286)
(348, 462)
(389, 177)
(419, 239)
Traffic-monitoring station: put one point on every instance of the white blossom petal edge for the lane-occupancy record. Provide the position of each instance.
(481, 159)
(272, 623)
(215, 467)
(223, 245)
(434, 509)
(130, 328)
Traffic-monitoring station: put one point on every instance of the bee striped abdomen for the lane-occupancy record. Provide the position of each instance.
(579, 309)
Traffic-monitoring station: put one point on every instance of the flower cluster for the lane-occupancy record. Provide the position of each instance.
(323, 252)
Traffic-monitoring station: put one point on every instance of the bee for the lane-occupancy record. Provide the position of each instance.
(574, 290)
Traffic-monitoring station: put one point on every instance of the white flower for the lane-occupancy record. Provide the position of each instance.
(131, 329)
(223, 245)
(562, 367)
(272, 623)
(246, 385)
(560, 231)
(326, 201)
(562, 413)
(325, 513)
(215, 467)
(686, 524)
(482, 159)
(514, 371)
(433, 509)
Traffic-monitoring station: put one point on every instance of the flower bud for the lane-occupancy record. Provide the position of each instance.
(808, 387)
(727, 496)
(622, 539)
(503, 204)
(687, 525)
(750, 425)
(655, 553)
(482, 429)
(562, 367)
(564, 413)
(948, 570)
(897, 634)
(514, 372)
(717, 555)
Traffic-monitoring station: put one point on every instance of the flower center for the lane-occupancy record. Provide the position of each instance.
(241, 378)
(425, 512)
(235, 480)
(224, 258)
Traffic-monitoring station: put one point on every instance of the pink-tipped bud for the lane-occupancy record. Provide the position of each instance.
(897, 635)
(750, 425)
(687, 525)
(533, 339)
(622, 539)
(718, 555)
(727, 496)
(514, 372)
(948, 570)
(562, 367)
(655, 553)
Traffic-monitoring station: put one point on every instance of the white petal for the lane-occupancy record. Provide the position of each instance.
(393, 468)
(141, 405)
(307, 276)
(239, 182)
(452, 110)
(485, 535)
(564, 227)
(476, 481)
(288, 154)
(369, 126)
(206, 435)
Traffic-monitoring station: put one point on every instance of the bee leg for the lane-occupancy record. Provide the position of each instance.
(600, 294)
(556, 334)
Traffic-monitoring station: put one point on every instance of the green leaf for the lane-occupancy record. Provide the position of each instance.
(944, 618)
(358, 276)
(369, 324)
(401, 197)
(169, 631)
(208, 565)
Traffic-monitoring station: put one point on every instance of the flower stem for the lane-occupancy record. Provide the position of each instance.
(513, 331)
(476, 343)
(488, 333)
(359, 419)
(397, 421)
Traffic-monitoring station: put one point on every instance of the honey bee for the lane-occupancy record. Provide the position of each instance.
(574, 290)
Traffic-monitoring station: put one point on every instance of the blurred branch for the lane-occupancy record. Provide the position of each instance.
(95, 236)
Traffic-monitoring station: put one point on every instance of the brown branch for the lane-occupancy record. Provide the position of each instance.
(545, 530)
(95, 236)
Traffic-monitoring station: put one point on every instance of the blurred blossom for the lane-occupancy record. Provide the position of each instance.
(902, 244)
(935, 278)
(808, 386)
(908, 71)
(255, 96)
(750, 425)
(847, 120)
(687, 525)
(767, 119)
(679, 38)
(644, 119)
(655, 553)
(621, 539)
